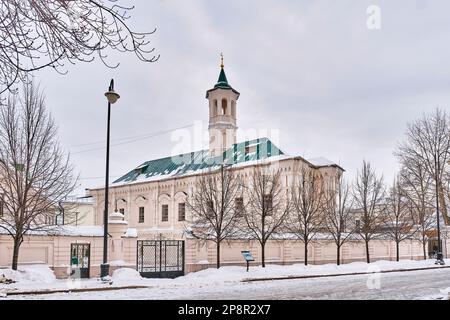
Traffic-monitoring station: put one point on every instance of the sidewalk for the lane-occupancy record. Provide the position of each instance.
(341, 274)
(50, 291)
(130, 278)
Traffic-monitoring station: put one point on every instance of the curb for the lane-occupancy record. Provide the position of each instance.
(339, 274)
(18, 293)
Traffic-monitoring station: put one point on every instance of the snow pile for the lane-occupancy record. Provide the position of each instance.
(30, 274)
(223, 274)
(125, 275)
(239, 273)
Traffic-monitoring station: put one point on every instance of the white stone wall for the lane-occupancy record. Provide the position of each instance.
(55, 252)
(152, 195)
(200, 255)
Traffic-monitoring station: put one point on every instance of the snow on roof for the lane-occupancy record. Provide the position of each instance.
(131, 233)
(156, 229)
(82, 231)
(251, 152)
(73, 231)
(241, 154)
(200, 161)
(321, 162)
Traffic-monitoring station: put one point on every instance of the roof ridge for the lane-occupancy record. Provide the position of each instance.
(201, 159)
(207, 150)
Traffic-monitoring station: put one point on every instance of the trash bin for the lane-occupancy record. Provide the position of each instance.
(439, 259)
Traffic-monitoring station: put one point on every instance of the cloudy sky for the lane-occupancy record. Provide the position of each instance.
(311, 70)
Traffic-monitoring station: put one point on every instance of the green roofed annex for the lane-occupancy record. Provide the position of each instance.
(194, 162)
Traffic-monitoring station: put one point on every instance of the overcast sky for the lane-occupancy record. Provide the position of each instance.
(310, 69)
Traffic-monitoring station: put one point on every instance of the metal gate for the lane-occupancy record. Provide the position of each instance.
(160, 258)
(80, 260)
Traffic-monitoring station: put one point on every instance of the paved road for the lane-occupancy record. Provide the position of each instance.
(397, 285)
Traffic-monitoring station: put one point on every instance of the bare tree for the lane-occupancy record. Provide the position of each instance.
(34, 172)
(215, 215)
(41, 34)
(428, 141)
(338, 213)
(369, 196)
(308, 205)
(417, 185)
(266, 208)
(398, 220)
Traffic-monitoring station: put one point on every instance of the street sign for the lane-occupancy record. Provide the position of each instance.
(248, 257)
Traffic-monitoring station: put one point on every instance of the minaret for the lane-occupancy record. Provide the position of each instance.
(222, 114)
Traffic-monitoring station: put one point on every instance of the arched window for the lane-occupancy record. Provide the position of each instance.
(233, 108)
(165, 213)
(224, 106)
(215, 108)
(224, 139)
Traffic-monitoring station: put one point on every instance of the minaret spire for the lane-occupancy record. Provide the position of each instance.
(222, 114)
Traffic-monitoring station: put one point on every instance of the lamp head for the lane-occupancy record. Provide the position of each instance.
(111, 95)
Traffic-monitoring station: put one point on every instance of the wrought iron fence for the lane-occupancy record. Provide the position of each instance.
(160, 258)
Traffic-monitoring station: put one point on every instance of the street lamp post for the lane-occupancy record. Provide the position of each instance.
(439, 256)
(112, 97)
(439, 259)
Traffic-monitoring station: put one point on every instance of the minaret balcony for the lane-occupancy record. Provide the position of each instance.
(226, 119)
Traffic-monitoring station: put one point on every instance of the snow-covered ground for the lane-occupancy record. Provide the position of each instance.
(41, 278)
(397, 285)
(444, 294)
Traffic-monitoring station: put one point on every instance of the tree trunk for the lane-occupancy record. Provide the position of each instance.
(306, 253)
(397, 244)
(15, 259)
(424, 250)
(367, 252)
(263, 255)
(218, 254)
(338, 255)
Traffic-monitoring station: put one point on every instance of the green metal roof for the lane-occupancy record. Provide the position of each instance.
(222, 83)
(189, 163)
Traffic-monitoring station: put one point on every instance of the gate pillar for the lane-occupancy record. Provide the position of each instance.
(117, 227)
